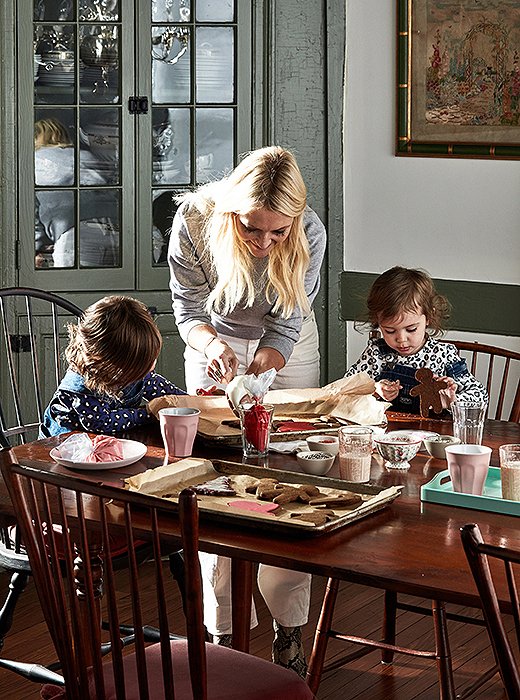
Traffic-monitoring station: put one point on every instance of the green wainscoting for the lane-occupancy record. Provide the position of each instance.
(480, 307)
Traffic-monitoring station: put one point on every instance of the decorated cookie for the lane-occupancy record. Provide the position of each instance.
(345, 499)
(428, 390)
(254, 506)
(262, 484)
(221, 486)
(316, 517)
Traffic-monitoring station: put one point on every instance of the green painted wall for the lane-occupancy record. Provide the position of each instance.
(480, 307)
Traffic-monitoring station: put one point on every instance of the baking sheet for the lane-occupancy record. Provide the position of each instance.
(168, 482)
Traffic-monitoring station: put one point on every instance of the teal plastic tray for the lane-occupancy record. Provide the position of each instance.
(439, 490)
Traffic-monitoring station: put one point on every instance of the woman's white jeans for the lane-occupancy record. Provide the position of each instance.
(286, 593)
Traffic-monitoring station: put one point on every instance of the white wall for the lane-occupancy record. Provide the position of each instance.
(459, 219)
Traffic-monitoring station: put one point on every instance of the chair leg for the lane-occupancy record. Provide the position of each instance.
(321, 636)
(16, 587)
(442, 651)
(389, 621)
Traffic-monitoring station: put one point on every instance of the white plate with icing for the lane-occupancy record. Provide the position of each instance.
(132, 452)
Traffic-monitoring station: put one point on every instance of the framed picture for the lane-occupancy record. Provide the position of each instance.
(458, 78)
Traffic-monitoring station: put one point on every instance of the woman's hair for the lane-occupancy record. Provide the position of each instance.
(268, 178)
(401, 290)
(115, 343)
(51, 132)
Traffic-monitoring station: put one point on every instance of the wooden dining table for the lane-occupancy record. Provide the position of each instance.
(410, 546)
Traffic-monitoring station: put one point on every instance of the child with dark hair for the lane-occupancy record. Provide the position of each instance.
(112, 353)
(406, 309)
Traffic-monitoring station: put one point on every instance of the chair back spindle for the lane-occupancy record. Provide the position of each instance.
(499, 370)
(33, 325)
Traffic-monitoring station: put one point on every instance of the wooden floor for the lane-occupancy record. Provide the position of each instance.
(358, 612)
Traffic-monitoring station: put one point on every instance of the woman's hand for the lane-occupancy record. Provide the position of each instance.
(264, 359)
(449, 394)
(388, 390)
(222, 361)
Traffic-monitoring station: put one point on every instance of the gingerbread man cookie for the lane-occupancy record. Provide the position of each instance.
(428, 390)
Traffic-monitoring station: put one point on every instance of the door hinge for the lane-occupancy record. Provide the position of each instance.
(20, 343)
(138, 104)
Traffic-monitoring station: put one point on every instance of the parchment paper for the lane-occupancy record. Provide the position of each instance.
(348, 398)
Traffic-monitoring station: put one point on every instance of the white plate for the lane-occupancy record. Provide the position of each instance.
(416, 433)
(132, 451)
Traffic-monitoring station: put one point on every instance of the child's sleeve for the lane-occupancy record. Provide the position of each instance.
(368, 362)
(468, 387)
(156, 385)
(96, 416)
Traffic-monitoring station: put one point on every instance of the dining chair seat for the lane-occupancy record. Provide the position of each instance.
(232, 675)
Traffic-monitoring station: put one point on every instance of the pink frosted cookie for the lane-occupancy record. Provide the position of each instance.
(254, 506)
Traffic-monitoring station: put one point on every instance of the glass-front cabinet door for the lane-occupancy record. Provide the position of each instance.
(195, 77)
(130, 104)
(76, 186)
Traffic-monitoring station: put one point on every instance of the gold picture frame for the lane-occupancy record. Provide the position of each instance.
(458, 78)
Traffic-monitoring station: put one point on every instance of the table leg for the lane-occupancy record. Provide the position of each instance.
(389, 618)
(241, 593)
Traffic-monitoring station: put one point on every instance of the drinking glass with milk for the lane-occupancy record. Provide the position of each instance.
(355, 453)
(510, 471)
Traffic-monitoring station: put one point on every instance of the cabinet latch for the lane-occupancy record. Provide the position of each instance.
(20, 343)
(138, 104)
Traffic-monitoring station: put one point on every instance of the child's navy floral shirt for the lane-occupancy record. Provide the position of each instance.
(74, 407)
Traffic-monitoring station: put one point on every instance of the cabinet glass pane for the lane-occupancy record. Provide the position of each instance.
(171, 142)
(53, 10)
(99, 142)
(99, 66)
(171, 10)
(99, 228)
(98, 10)
(214, 143)
(215, 10)
(214, 64)
(54, 224)
(171, 59)
(163, 209)
(54, 66)
(54, 139)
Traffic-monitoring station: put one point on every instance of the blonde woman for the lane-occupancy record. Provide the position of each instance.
(245, 256)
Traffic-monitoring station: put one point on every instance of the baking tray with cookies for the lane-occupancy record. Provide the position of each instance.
(276, 500)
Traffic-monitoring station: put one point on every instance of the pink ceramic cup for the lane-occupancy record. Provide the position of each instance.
(178, 429)
(468, 467)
